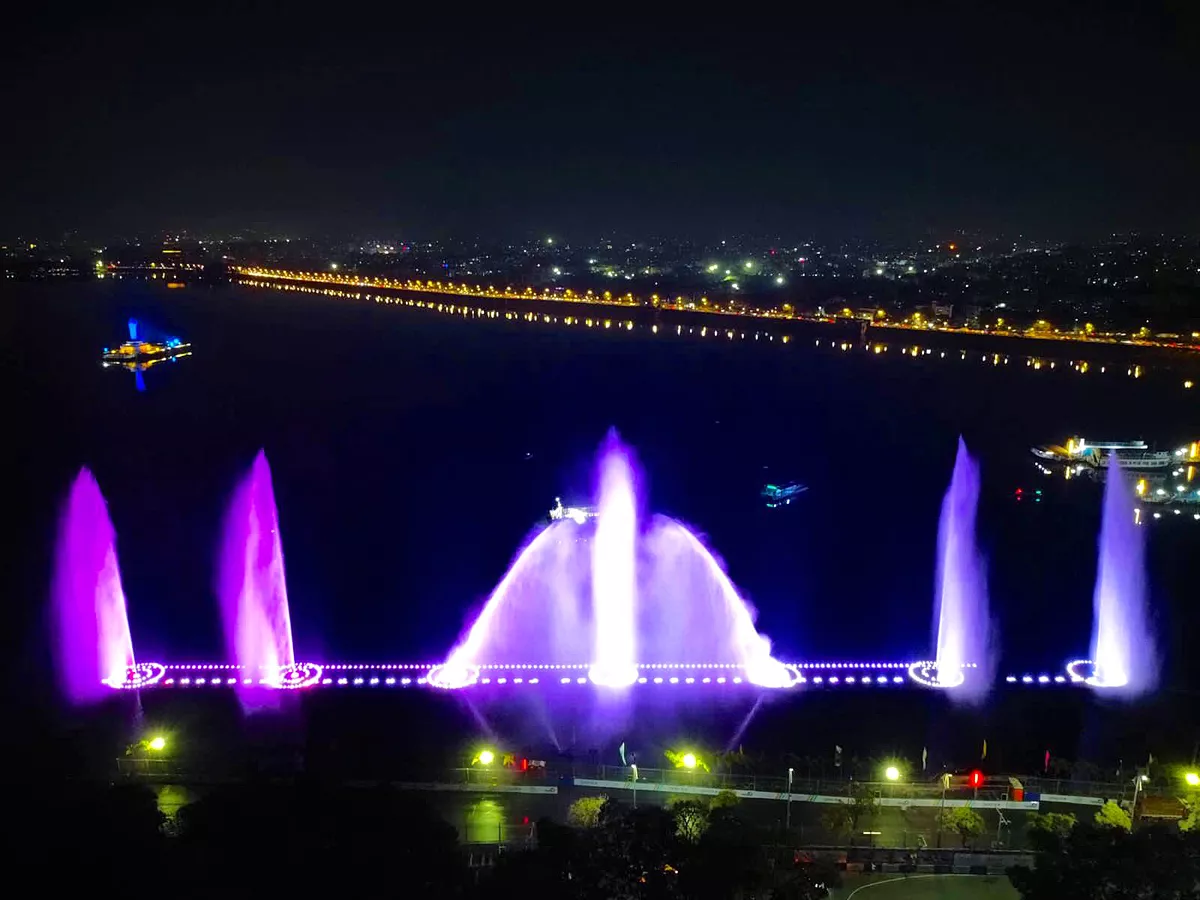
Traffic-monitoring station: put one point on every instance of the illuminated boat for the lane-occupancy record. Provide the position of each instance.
(1132, 454)
(577, 514)
(782, 494)
(137, 355)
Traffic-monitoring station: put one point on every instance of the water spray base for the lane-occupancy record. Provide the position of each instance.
(443, 677)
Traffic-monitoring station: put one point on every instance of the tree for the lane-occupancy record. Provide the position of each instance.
(1099, 861)
(725, 800)
(1192, 819)
(963, 820)
(585, 812)
(1111, 815)
(1054, 823)
(691, 819)
(846, 818)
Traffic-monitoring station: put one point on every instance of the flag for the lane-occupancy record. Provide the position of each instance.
(924, 758)
(984, 754)
(621, 750)
(837, 756)
(1046, 765)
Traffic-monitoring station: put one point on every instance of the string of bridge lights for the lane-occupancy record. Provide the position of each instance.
(607, 323)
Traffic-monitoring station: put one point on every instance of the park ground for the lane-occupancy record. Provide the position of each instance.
(926, 887)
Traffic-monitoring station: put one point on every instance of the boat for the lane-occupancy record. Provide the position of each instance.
(577, 514)
(778, 495)
(136, 354)
(1100, 454)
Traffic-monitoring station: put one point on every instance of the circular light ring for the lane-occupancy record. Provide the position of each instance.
(450, 677)
(140, 676)
(926, 673)
(298, 675)
(1085, 670)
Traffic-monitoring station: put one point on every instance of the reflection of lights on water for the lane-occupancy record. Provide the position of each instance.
(299, 282)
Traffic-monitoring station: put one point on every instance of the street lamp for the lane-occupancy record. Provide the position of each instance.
(689, 760)
(633, 768)
(1192, 778)
(892, 773)
(157, 743)
(788, 814)
(486, 757)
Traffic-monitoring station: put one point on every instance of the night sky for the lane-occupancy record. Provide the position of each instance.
(967, 116)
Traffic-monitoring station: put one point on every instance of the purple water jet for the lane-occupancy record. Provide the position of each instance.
(1122, 644)
(251, 584)
(962, 622)
(92, 625)
(614, 579)
(608, 596)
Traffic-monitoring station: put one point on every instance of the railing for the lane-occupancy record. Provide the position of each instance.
(997, 788)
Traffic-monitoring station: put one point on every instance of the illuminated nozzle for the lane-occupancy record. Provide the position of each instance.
(613, 675)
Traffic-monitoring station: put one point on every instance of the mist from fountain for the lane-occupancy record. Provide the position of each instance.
(962, 621)
(1123, 650)
(91, 622)
(251, 585)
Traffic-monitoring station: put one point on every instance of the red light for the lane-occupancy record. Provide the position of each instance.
(524, 764)
(975, 779)
(525, 820)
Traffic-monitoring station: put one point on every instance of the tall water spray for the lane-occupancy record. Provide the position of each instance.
(961, 618)
(1122, 644)
(251, 584)
(91, 623)
(614, 579)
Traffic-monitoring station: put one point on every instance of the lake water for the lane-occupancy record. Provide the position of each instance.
(413, 452)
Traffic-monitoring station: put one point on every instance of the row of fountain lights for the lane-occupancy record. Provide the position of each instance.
(304, 675)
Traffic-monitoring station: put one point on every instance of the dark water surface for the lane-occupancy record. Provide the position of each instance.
(413, 452)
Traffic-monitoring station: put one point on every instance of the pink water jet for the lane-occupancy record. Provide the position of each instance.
(91, 623)
(251, 585)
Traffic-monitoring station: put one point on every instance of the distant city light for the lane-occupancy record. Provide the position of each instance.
(333, 266)
(779, 279)
(749, 265)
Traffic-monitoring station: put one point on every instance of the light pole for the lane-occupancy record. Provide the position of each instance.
(1137, 789)
(788, 814)
(635, 778)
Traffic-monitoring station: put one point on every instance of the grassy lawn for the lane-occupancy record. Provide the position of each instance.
(928, 887)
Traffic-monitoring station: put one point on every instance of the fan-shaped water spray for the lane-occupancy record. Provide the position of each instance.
(609, 596)
(962, 622)
(251, 584)
(93, 641)
(1122, 644)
